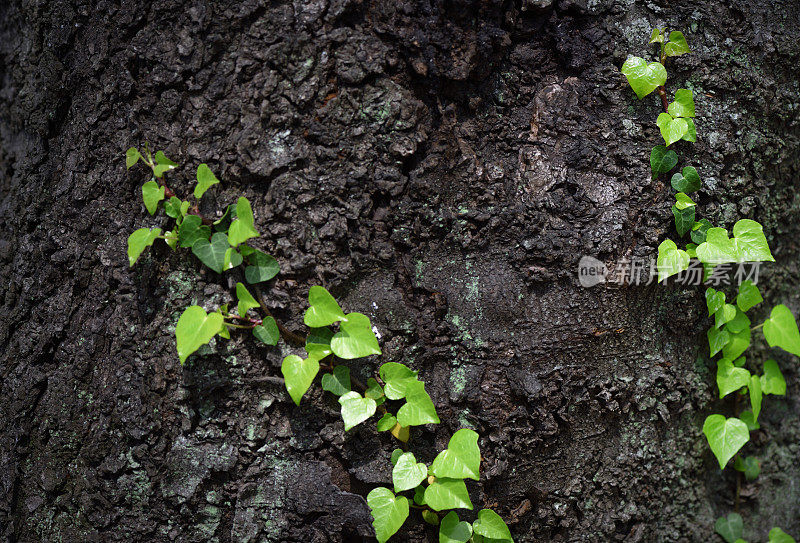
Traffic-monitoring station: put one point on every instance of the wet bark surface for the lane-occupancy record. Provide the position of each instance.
(440, 166)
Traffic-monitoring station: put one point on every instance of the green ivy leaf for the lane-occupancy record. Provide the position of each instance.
(755, 395)
(739, 322)
(699, 231)
(748, 244)
(407, 473)
(430, 517)
(717, 339)
(656, 36)
(192, 230)
(683, 106)
(152, 193)
(490, 525)
(461, 459)
(447, 494)
(243, 228)
(388, 512)
(386, 422)
(212, 253)
(687, 180)
(205, 180)
(356, 409)
(374, 390)
(163, 164)
(324, 309)
(772, 382)
(172, 208)
(231, 259)
(662, 160)
(246, 300)
(298, 375)
(780, 330)
(395, 455)
(672, 130)
(682, 201)
(715, 299)
(396, 377)
(132, 156)
(749, 466)
(267, 332)
(671, 260)
(223, 223)
(684, 219)
(418, 409)
(677, 44)
(195, 328)
(338, 382)
(319, 341)
(260, 266)
(419, 495)
(776, 535)
(355, 338)
(730, 528)
(738, 343)
(725, 437)
(748, 296)
(747, 417)
(727, 313)
(139, 240)
(644, 78)
(730, 378)
(453, 530)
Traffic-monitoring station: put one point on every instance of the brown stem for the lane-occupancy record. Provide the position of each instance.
(287, 334)
(662, 92)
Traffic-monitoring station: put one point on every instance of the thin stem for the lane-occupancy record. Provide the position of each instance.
(757, 326)
(287, 334)
(244, 327)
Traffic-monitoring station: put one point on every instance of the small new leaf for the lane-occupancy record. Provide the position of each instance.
(408, 473)
(677, 44)
(323, 310)
(730, 528)
(267, 332)
(453, 530)
(139, 240)
(388, 512)
(688, 180)
(725, 437)
(748, 296)
(780, 330)
(132, 156)
(772, 382)
(298, 375)
(243, 227)
(195, 328)
(672, 129)
(671, 260)
(355, 338)
(730, 378)
(337, 382)
(152, 193)
(447, 494)
(644, 78)
(246, 300)
(683, 106)
(461, 459)
(356, 409)
(205, 180)
(163, 164)
(491, 526)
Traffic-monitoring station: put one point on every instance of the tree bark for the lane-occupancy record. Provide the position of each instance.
(439, 165)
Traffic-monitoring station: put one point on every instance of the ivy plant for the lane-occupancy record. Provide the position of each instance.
(731, 332)
(395, 393)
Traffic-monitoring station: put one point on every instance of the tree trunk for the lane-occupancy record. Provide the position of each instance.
(439, 165)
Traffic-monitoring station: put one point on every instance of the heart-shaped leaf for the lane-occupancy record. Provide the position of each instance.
(243, 228)
(730, 378)
(738, 323)
(355, 338)
(772, 382)
(388, 512)
(461, 459)
(163, 164)
(688, 180)
(748, 296)
(672, 129)
(717, 339)
(715, 299)
(749, 466)
(386, 422)
(644, 78)
(491, 526)
(408, 473)
(725, 437)
(172, 208)
(671, 260)
(324, 309)
(212, 253)
(192, 230)
(677, 44)
(267, 332)
(747, 417)
(780, 330)
(725, 314)
(132, 156)
(737, 343)
(691, 132)
(205, 180)
(682, 201)
(337, 382)
(356, 409)
(374, 391)
(751, 244)
(730, 528)
(418, 409)
(662, 160)
(298, 375)
(447, 494)
(657, 36)
(453, 530)
(260, 266)
(683, 106)
(152, 193)
(699, 231)
(195, 328)
(776, 535)
(755, 395)
(396, 377)
(232, 259)
(139, 240)
(246, 300)
(684, 219)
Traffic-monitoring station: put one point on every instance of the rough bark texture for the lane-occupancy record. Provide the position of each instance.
(439, 165)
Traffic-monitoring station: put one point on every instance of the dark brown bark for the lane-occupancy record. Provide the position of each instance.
(440, 166)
